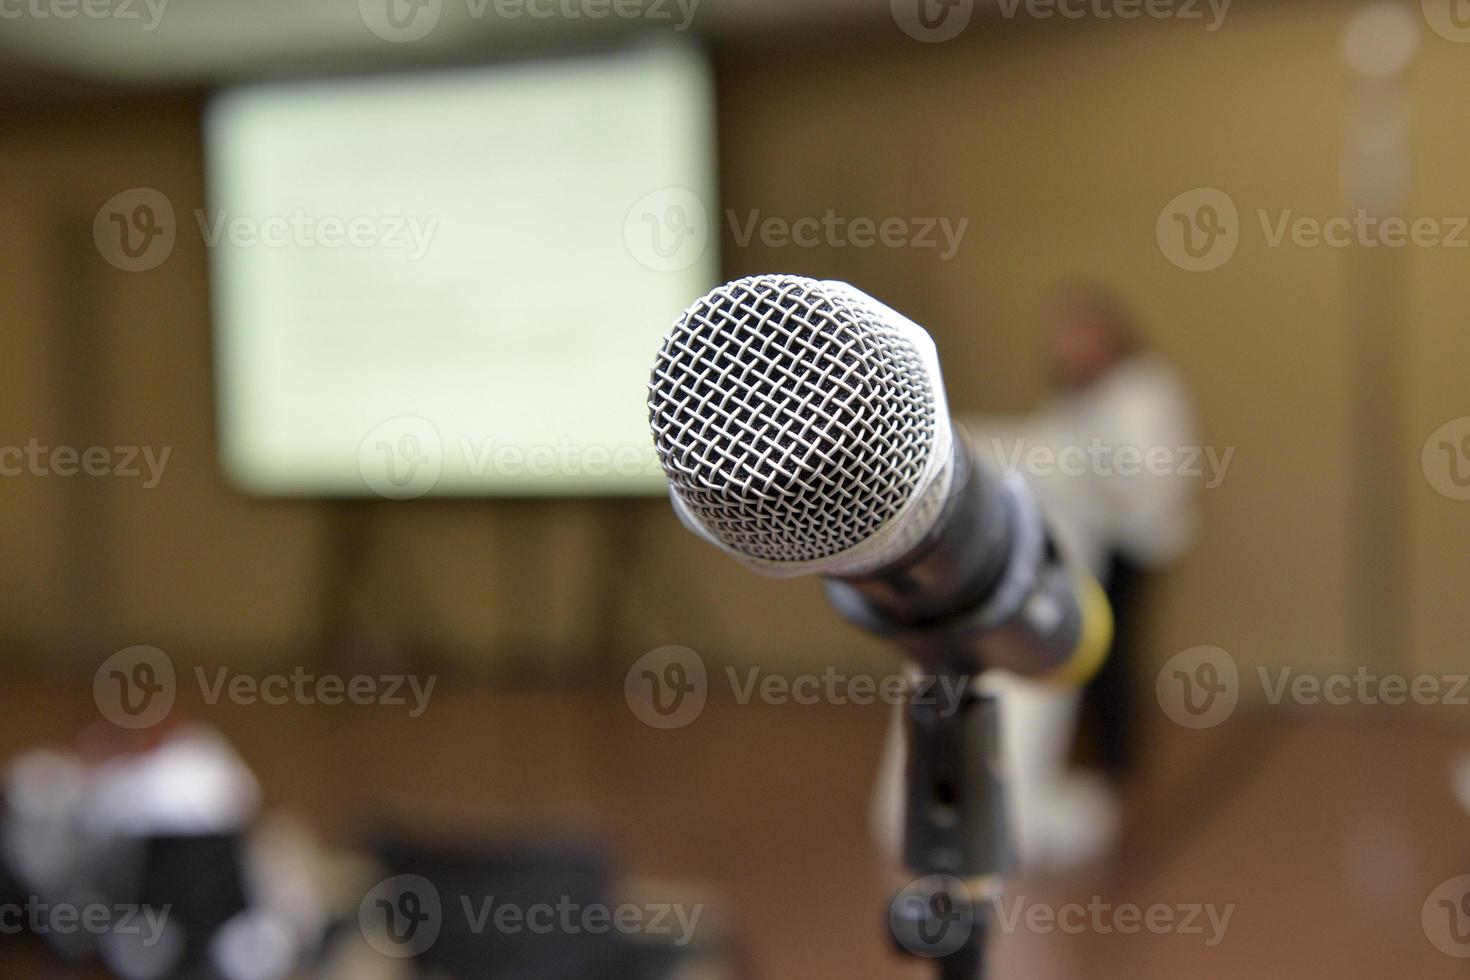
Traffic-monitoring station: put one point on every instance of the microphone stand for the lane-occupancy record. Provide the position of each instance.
(956, 834)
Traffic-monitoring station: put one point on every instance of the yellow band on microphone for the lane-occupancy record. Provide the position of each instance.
(1095, 639)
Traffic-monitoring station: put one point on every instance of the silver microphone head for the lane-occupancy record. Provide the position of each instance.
(802, 425)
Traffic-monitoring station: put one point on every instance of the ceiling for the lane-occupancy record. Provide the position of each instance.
(162, 43)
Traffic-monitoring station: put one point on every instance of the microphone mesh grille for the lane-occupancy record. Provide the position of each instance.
(792, 419)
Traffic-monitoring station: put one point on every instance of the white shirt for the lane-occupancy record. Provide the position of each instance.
(1114, 464)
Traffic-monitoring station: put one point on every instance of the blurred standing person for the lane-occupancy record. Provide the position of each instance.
(1115, 402)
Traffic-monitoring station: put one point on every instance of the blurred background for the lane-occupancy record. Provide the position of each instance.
(1176, 155)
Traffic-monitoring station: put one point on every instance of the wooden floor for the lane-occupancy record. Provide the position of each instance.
(1325, 832)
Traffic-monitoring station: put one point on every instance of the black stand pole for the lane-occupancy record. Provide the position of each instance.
(955, 835)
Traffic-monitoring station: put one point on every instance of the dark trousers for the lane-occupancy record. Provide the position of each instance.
(1111, 701)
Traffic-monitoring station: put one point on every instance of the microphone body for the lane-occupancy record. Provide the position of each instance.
(804, 430)
(987, 587)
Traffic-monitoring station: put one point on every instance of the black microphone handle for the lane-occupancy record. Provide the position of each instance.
(986, 587)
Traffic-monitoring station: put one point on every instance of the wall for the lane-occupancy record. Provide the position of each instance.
(1060, 141)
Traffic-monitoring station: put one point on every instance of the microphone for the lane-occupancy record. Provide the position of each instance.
(804, 430)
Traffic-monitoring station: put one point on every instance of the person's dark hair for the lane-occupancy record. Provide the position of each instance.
(1102, 304)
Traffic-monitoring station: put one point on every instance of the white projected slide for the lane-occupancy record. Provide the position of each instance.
(456, 283)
